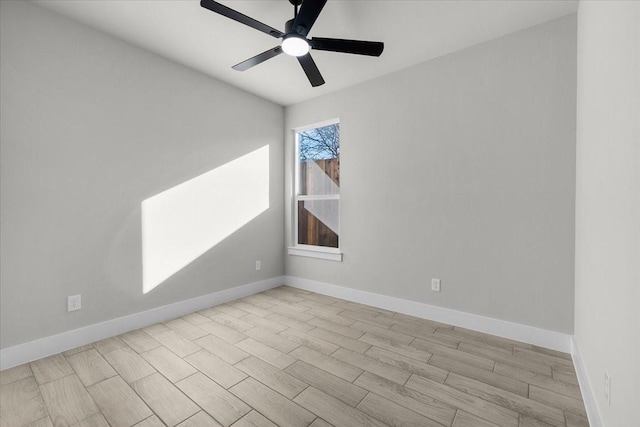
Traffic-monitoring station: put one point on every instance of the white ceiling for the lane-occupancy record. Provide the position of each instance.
(412, 31)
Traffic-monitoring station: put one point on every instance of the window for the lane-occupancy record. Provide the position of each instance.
(317, 192)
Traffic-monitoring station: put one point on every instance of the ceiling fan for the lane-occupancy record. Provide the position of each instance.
(294, 38)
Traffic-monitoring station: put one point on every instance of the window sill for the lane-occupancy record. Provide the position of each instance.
(316, 253)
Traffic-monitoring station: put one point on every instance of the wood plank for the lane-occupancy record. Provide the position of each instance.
(21, 403)
(331, 316)
(414, 331)
(372, 364)
(495, 340)
(382, 332)
(129, 365)
(495, 379)
(259, 300)
(327, 382)
(119, 404)
(337, 328)
(152, 421)
(14, 374)
(225, 351)
(527, 421)
(565, 378)
(340, 340)
(465, 419)
(457, 355)
(294, 311)
(550, 352)
(201, 419)
(396, 347)
(354, 306)
(555, 362)
(90, 367)
(46, 422)
(269, 354)
(195, 319)
(271, 376)
(254, 419)
(392, 414)
(507, 399)
(77, 350)
(333, 410)
(282, 411)
(574, 420)
(250, 308)
(319, 305)
(272, 340)
(176, 343)
(223, 308)
(216, 368)
(168, 364)
(302, 338)
(223, 406)
(139, 341)
(50, 368)
(225, 333)
(367, 317)
(289, 322)
(232, 322)
(406, 319)
(155, 329)
(186, 329)
(319, 422)
(411, 399)
(480, 339)
(539, 380)
(108, 345)
(472, 404)
(557, 400)
(95, 420)
(330, 364)
(169, 404)
(263, 322)
(408, 364)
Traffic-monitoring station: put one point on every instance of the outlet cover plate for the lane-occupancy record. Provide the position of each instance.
(74, 303)
(435, 285)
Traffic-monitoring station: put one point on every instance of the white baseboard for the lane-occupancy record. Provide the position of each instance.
(37, 349)
(515, 331)
(588, 397)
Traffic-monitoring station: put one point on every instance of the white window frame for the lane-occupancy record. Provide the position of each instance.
(321, 252)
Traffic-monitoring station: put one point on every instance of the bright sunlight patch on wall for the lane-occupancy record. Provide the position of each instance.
(183, 222)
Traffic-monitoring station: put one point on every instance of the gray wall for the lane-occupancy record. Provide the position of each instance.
(460, 168)
(607, 297)
(90, 127)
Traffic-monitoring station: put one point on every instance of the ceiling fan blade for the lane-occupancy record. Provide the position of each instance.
(311, 70)
(357, 47)
(223, 10)
(258, 59)
(307, 16)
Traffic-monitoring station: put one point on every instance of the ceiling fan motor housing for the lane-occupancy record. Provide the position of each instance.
(294, 39)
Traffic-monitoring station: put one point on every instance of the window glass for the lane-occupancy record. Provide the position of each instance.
(318, 186)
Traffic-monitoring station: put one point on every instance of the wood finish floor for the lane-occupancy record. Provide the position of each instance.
(288, 357)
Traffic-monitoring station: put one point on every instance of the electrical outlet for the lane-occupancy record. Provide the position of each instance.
(258, 265)
(435, 285)
(607, 387)
(74, 303)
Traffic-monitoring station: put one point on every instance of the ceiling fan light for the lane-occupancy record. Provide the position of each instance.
(295, 45)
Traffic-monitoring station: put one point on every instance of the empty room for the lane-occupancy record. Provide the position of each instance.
(319, 213)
